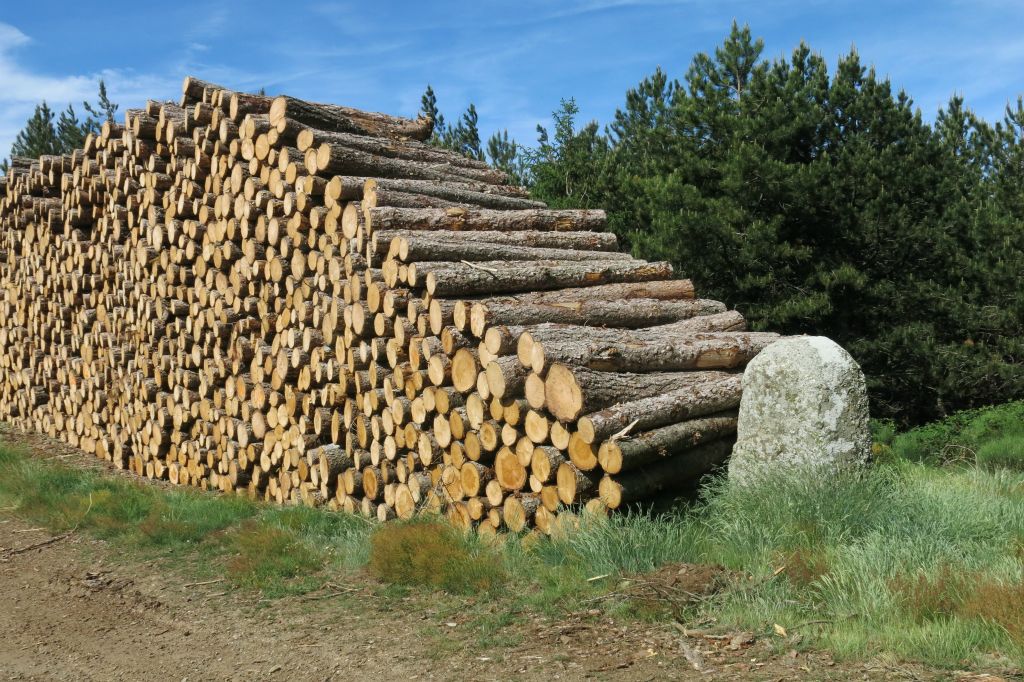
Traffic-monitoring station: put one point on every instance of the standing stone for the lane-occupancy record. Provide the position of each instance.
(804, 405)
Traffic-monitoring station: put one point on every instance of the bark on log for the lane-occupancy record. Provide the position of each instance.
(332, 117)
(410, 150)
(640, 449)
(501, 197)
(729, 321)
(677, 471)
(635, 313)
(458, 279)
(701, 394)
(533, 340)
(655, 349)
(358, 163)
(456, 219)
(423, 249)
(586, 241)
(570, 392)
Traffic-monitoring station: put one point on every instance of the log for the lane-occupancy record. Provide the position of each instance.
(630, 314)
(457, 219)
(570, 392)
(354, 162)
(657, 349)
(484, 195)
(423, 249)
(586, 241)
(674, 472)
(701, 394)
(640, 449)
(332, 117)
(327, 144)
(573, 484)
(458, 279)
(332, 460)
(327, 157)
(519, 511)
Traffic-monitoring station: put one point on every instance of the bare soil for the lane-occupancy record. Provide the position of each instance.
(75, 610)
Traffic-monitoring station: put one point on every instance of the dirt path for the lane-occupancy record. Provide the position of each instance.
(74, 610)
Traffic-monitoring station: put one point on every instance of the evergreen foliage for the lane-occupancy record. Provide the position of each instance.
(103, 110)
(464, 138)
(43, 135)
(428, 107)
(821, 203)
(39, 135)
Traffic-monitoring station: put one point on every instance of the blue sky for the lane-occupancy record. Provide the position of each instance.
(515, 60)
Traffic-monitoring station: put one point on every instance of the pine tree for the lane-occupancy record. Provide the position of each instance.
(464, 138)
(39, 135)
(71, 132)
(568, 167)
(428, 107)
(104, 109)
(503, 153)
(821, 203)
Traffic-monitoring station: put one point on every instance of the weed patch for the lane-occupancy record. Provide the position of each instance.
(804, 567)
(1001, 604)
(933, 597)
(270, 560)
(432, 553)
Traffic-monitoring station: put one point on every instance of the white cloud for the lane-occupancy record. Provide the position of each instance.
(22, 88)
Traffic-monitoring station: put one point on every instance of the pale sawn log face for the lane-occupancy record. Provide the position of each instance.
(305, 304)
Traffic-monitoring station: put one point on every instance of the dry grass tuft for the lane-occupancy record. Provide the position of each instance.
(433, 554)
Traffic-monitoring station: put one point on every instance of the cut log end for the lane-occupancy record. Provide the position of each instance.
(562, 395)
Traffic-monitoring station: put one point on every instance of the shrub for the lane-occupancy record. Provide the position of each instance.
(962, 436)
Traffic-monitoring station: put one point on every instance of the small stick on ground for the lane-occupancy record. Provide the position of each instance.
(21, 550)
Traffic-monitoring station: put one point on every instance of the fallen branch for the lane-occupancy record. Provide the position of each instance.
(21, 550)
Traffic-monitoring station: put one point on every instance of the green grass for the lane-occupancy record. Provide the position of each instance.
(992, 436)
(906, 560)
(269, 550)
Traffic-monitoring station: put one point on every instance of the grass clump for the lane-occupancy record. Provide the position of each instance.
(272, 560)
(432, 553)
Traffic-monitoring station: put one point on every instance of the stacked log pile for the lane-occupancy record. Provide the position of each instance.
(307, 303)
